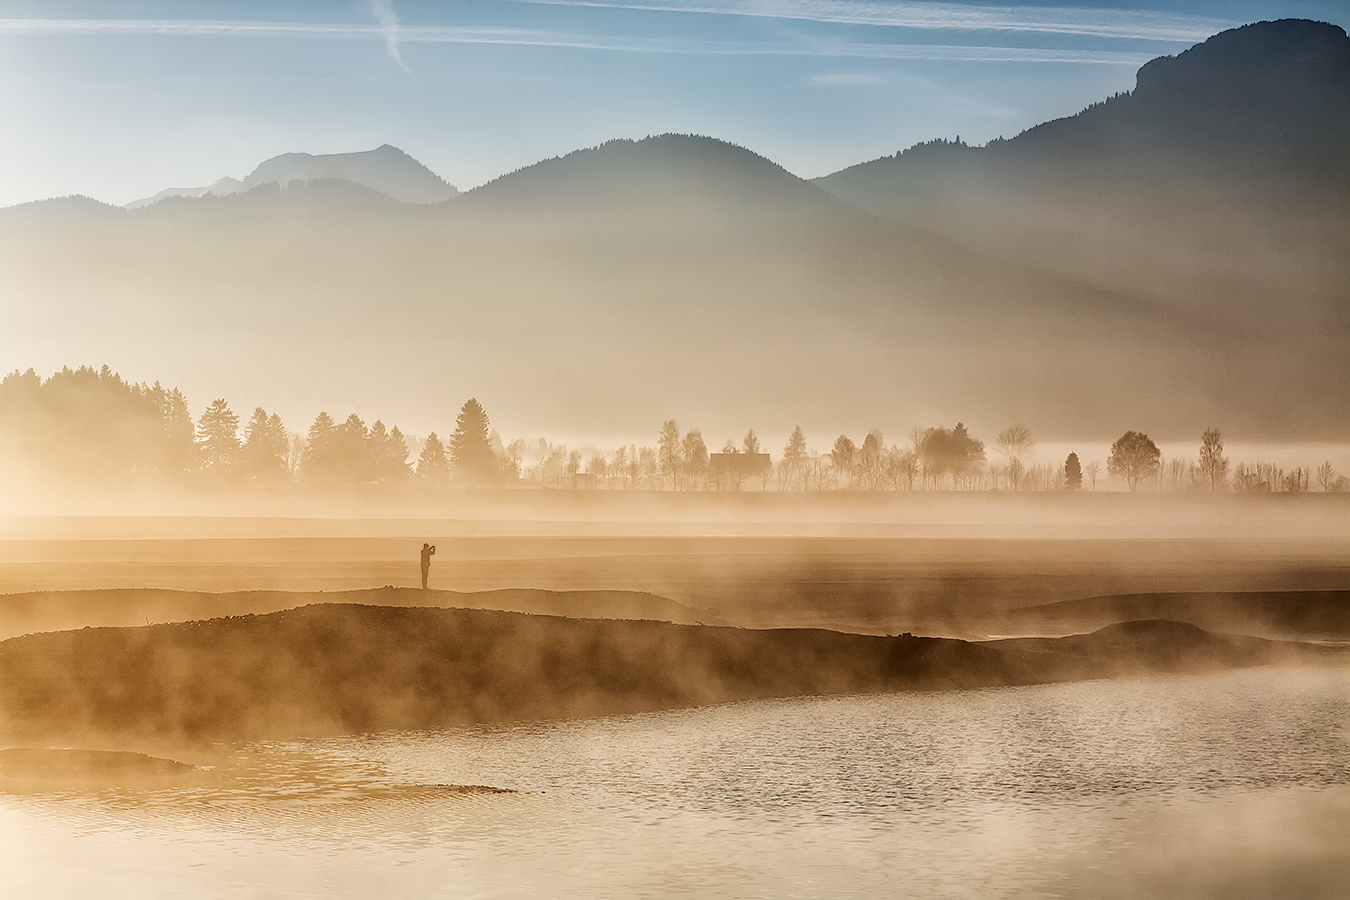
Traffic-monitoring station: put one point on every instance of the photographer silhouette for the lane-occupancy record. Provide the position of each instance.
(428, 551)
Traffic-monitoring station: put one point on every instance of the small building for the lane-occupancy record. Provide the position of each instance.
(730, 469)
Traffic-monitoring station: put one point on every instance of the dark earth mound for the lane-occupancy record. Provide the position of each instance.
(63, 610)
(352, 668)
(1297, 615)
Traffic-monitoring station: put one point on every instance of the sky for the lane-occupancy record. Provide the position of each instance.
(118, 99)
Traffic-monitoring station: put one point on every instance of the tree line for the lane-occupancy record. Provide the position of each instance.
(92, 424)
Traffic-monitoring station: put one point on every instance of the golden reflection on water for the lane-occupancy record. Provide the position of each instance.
(1224, 785)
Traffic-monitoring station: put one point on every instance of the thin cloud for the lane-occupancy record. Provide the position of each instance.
(1107, 23)
(186, 28)
(383, 11)
(531, 38)
(845, 79)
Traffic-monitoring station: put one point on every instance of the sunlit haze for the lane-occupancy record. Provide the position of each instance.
(674, 448)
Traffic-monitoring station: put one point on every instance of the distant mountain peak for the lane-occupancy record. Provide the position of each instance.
(1269, 94)
(666, 170)
(1285, 46)
(1265, 62)
(385, 169)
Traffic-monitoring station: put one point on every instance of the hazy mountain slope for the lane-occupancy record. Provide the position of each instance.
(314, 199)
(218, 188)
(671, 170)
(385, 169)
(73, 210)
(604, 292)
(1220, 185)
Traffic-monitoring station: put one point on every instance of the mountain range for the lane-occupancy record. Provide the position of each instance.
(1165, 260)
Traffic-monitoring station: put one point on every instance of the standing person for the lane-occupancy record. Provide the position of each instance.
(428, 551)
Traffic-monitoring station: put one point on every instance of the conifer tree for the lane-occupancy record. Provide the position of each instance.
(396, 456)
(470, 447)
(432, 465)
(319, 448)
(218, 437)
(388, 453)
(265, 446)
(1073, 473)
(178, 425)
(353, 461)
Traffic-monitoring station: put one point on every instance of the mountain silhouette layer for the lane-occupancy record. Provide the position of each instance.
(1167, 260)
(385, 169)
(1220, 185)
(1272, 98)
(673, 171)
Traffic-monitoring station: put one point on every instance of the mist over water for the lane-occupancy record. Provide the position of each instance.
(1229, 785)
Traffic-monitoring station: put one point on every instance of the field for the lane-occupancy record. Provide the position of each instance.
(936, 565)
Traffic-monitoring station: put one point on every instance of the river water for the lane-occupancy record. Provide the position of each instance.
(1233, 785)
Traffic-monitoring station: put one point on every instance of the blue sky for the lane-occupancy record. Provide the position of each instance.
(118, 100)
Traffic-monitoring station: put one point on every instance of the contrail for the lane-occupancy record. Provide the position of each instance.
(1105, 23)
(432, 34)
(384, 14)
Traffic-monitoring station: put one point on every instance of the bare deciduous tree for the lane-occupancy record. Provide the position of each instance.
(735, 474)
(1213, 464)
(668, 451)
(1014, 442)
(1326, 476)
(1296, 482)
(793, 464)
(868, 460)
(597, 466)
(842, 458)
(647, 465)
(1093, 469)
(694, 456)
(1176, 474)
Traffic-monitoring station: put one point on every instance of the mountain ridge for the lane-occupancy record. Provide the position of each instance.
(1254, 74)
(683, 166)
(1221, 183)
(386, 169)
